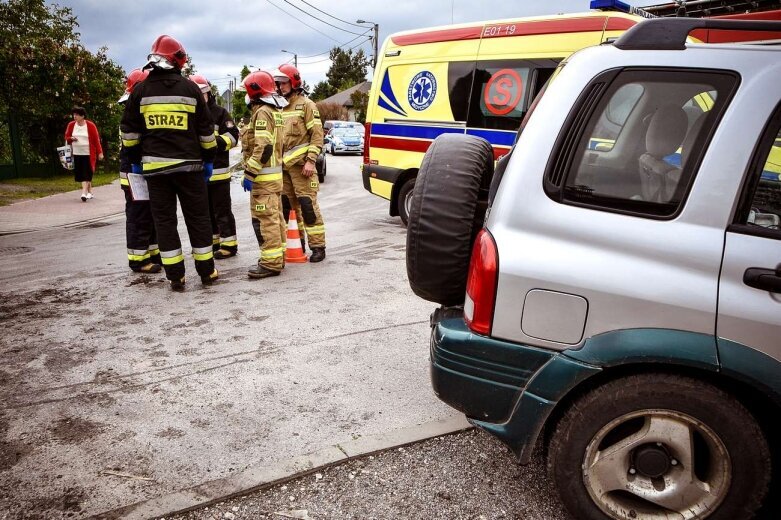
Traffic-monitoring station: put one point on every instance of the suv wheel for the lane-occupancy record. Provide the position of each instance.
(404, 201)
(446, 212)
(635, 448)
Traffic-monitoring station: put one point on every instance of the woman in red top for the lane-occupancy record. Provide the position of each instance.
(82, 135)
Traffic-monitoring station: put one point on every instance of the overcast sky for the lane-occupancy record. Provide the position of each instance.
(223, 35)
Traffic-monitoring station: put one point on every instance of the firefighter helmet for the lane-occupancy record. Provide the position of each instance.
(166, 53)
(135, 76)
(287, 72)
(259, 85)
(202, 83)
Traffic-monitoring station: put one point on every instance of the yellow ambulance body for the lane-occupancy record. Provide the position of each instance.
(477, 78)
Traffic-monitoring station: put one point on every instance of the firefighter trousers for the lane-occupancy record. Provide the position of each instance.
(268, 223)
(140, 232)
(303, 191)
(223, 222)
(190, 189)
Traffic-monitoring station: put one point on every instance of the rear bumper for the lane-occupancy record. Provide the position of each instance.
(504, 388)
(380, 180)
(477, 375)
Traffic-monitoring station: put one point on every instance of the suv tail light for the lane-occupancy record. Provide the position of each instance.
(481, 284)
(367, 133)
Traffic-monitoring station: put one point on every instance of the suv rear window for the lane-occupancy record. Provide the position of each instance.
(637, 149)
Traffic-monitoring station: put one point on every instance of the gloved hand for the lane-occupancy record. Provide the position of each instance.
(208, 169)
(247, 184)
(136, 168)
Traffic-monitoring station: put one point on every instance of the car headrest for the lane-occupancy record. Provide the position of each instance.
(666, 130)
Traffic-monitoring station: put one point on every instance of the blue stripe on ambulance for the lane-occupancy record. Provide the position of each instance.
(392, 104)
(495, 137)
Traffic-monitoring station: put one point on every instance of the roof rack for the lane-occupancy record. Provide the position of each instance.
(671, 33)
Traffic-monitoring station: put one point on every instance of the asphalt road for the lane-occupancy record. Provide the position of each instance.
(115, 390)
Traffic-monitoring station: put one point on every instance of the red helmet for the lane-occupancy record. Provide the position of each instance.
(260, 84)
(168, 49)
(202, 83)
(289, 72)
(135, 76)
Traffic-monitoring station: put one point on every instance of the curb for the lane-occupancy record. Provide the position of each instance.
(277, 472)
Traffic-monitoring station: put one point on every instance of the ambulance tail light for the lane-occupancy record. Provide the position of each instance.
(367, 134)
(481, 284)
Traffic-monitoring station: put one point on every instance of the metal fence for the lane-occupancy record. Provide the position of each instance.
(25, 150)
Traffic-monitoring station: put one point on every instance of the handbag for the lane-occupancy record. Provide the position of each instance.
(65, 154)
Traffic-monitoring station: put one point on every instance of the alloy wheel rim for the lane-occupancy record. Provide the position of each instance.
(657, 465)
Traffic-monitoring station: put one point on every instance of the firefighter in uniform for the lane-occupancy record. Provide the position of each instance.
(263, 173)
(303, 139)
(143, 254)
(169, 137)
(224, 241)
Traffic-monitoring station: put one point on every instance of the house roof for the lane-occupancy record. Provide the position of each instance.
(343, 97)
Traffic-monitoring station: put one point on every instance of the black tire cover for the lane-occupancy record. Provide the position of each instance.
(444, 216)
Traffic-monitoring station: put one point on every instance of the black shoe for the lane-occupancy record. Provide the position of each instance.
(222, 254)
(148, 268)
(258, 271)
(318, 254)
(177, 285)
(208, 280)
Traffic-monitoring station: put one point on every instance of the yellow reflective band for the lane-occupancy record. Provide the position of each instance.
(292, 113)
(173, 259)
(263, 133)
(167, 107)
(220, 177)
(127, 143)
(252, 163)
(268, 177)
(215, 239)
(229, 243)
(272, 253)
(157, 165)
(124, 182)
(315, 230)
(228, 142)
(203, 256)
(209, 144)
(153, 252)
(135, 255)
(315, 149)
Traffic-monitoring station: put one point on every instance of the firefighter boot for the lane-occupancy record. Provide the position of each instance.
(222, 254)
(258, 271)
(208, 280)
(178, 285)
(318, 254)
(148, 268)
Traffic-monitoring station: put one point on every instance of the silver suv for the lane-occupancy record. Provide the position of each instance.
(622, 273)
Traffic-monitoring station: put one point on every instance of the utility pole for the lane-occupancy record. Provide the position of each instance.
(376, 39)
(295, 57)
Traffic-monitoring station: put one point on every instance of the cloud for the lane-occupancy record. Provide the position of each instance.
(223, 36)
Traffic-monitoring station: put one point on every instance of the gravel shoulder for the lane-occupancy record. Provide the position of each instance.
(465, 475)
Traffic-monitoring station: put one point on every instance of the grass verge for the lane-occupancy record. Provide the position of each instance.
(16, 190)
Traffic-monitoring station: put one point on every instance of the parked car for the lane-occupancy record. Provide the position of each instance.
(611, 290)
(343, 140)
(335, 123)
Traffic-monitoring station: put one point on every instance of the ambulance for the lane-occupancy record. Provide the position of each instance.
(475, 78)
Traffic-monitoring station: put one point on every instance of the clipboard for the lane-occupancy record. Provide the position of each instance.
(138, 187)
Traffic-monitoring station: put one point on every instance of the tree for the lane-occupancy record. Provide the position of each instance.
(188, 69)
(360, 102)
(347, 68)
(45, 71)
(322, 90)
(239, 106)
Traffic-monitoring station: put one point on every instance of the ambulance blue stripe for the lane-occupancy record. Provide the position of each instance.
(384, 104)
(387, 89)
(495, 137)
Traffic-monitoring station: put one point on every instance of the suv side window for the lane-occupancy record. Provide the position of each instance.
(636, 140)
(503, 90)
(761, 210)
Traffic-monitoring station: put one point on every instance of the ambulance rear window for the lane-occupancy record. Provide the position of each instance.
(503, 91)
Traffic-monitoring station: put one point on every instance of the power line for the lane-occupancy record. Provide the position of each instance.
(327, 59)
(329, 14)
(288, 2)
(303, 22)
(340, 46)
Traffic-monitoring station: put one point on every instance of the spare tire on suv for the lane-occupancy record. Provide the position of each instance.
(447, 210)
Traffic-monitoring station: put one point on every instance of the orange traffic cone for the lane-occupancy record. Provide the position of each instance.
(294, 253)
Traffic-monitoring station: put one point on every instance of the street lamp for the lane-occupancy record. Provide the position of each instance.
(376, 36)
(295, 57)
